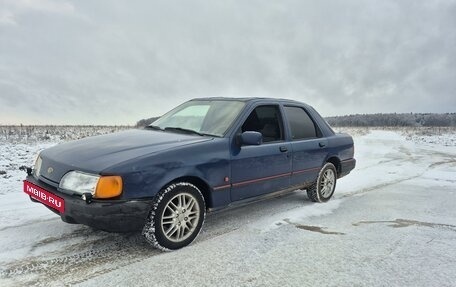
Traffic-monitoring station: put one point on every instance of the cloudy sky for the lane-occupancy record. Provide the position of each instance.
(115, 62)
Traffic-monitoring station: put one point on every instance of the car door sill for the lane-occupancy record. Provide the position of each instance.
(247, 201)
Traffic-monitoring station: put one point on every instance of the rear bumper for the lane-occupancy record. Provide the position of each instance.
(346, 166)
(108, 215)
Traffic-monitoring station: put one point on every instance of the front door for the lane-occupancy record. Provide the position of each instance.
(261, 169)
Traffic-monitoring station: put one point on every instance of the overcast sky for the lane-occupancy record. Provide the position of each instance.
(115, 62)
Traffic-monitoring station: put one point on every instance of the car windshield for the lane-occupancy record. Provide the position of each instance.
(205, 117)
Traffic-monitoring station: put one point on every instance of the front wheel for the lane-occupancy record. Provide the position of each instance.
(176, 217)
(323, 188)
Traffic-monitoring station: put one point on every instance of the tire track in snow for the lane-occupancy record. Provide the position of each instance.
(86, 258)
(378, 186)
(447, 159)
(96, 252)
(400, 223)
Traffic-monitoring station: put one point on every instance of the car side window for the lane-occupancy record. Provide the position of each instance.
(267, 121)
(301, 125)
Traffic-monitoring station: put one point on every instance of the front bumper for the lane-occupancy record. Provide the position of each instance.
(107, 215)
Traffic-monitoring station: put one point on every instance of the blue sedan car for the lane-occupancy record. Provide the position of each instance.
(205, 154)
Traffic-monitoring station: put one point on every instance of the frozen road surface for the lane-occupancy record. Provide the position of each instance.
(392, 222)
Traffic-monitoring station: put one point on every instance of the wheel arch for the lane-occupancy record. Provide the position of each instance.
(202, 185)
(336, 162)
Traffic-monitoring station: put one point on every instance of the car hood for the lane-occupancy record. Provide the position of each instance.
(95, 154)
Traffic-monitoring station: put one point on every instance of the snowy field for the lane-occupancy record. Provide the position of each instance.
(391, 222)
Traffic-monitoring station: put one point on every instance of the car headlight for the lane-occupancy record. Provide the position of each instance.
(79, 182)
(99, 186)
(37, 167)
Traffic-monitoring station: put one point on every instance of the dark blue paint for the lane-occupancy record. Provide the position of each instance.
(257, 163)
(251, 138)
(308, 157)
(148, 160)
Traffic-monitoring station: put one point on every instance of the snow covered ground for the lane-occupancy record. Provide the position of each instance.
(392, 222)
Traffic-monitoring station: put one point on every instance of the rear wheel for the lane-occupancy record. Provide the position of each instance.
(323, 188)
(176, 217)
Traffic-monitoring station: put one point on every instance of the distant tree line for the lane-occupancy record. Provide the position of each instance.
(28, 133)
(394, 120)
(376, 120)
(145, 122)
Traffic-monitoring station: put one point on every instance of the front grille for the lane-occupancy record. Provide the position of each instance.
(48, 181)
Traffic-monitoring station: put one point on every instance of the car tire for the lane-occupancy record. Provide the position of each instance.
(176, 217)
(323, 188)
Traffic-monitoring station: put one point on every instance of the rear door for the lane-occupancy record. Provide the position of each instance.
(308, 145)
(264, 168)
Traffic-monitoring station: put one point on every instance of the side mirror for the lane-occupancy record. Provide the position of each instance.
(251, 138)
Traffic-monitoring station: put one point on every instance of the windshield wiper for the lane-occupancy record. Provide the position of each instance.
(189, 131)
(153, 127)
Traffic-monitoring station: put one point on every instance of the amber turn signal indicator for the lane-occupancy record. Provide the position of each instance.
(108, 186)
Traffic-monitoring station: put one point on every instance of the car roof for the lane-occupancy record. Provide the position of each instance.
(251, 99)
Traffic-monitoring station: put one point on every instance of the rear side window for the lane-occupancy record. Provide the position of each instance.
(301, 125)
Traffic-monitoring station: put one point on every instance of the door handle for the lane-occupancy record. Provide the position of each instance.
(283, 149)
(321, 144)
